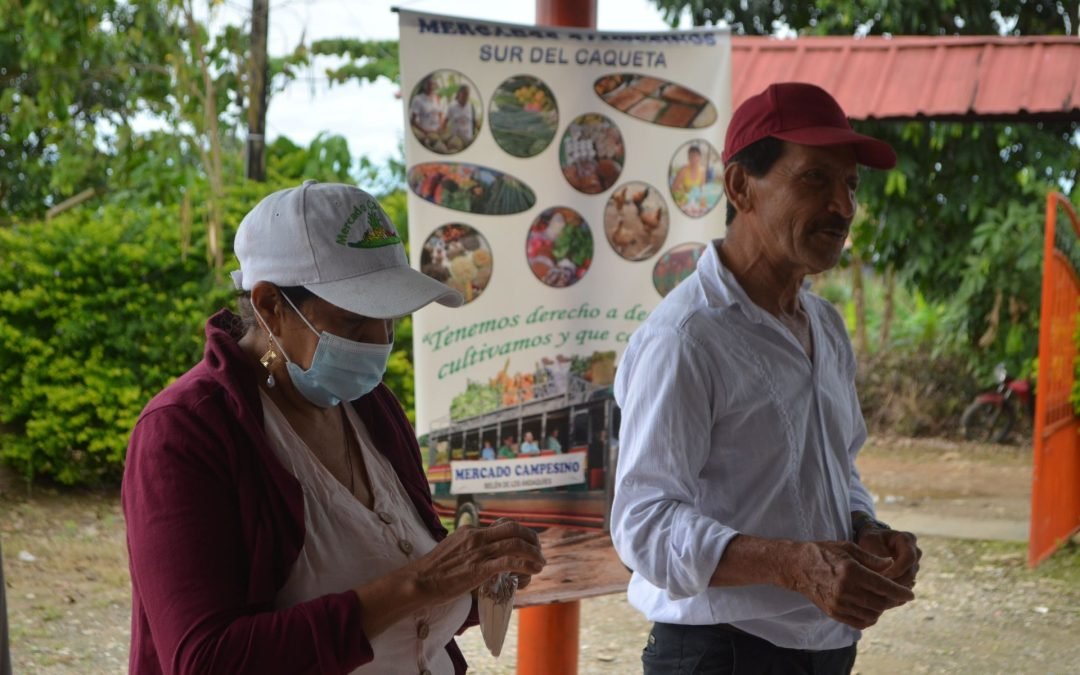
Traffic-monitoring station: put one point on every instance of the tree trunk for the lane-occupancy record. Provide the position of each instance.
(889, 308)
(209, 143)
(859, 297)
(256, 144)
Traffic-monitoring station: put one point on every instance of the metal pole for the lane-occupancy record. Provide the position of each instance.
(257, 76)
(549, 635)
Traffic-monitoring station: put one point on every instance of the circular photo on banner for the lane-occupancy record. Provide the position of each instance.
(636, 220)
(524, 116)
(460, 257)
(592, 153)
(696, 178)
(655, 100)
(675, 265)
(445, 111)
(470, 187)
(559, 247)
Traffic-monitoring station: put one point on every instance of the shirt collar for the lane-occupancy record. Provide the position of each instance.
(721, 287)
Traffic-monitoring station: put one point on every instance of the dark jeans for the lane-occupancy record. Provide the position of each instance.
(725, 650)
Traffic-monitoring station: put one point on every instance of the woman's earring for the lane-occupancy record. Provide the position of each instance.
(268, 360)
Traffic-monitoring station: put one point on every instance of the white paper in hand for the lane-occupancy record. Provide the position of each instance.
(495, 601)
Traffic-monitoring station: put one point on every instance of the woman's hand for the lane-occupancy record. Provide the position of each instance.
(468, 557)
(455, 567)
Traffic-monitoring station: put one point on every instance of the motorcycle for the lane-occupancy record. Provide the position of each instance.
(991, 416)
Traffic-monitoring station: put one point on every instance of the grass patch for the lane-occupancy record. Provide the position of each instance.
(1011, 558)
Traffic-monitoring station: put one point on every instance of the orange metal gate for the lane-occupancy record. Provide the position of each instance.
(1055, 498)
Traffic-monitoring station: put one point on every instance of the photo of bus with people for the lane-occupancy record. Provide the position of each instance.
(565, 408)
(445, 112)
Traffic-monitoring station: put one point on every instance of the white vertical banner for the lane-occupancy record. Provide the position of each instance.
(563, 180)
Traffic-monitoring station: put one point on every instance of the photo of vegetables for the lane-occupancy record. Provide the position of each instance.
(524, 116)
(470, 188)
(655, 100)
(550, 377)
(460, 257)
(445, 112)
(559, 247)
(592, 153)
(636, 220)
(696, 178)
(675, 265)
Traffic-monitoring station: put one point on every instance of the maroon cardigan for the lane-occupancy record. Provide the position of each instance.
(214, 524)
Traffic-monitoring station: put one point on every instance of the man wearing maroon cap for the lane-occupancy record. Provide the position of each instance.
(753, 541)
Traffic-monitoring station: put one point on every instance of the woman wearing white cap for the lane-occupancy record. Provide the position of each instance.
(278, 517)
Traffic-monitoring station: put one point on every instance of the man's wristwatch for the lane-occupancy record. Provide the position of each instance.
(861, 520)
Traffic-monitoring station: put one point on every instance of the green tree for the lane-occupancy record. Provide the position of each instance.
(882, 17)
(100, 308)
(104, 304)
(69, 88)
(959, 218)
(367, 60)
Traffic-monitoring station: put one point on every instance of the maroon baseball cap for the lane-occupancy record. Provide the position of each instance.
(801, 113)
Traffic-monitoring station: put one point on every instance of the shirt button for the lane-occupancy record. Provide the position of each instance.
(386, 517)
(425, 671)
(405, 546)
(423, 630)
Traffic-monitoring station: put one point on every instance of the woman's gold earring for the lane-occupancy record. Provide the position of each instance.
(268, 360)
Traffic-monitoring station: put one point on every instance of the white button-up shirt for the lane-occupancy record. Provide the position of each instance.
(729, 427)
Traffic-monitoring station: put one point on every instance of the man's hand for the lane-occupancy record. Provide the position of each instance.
(900, 546)
(845, 581)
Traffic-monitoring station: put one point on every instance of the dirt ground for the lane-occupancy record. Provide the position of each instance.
(978, 610)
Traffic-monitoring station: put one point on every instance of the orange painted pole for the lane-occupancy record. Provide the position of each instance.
(549, 635)
(548, 639)
(572, 13)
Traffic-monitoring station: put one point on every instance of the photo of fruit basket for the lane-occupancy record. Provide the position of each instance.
(460, 257)
(524, 116)
(559, 247)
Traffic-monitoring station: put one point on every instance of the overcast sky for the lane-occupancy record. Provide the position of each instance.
(370, 116)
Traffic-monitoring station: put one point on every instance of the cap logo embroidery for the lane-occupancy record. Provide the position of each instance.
(376, 236)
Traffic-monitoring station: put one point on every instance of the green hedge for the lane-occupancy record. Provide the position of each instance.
(99, 310)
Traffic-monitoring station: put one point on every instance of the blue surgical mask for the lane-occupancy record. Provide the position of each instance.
(341, 370)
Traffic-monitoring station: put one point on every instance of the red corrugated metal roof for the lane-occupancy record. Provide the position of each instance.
(905, 77)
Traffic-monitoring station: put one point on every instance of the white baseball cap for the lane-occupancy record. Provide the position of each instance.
(337, 242)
